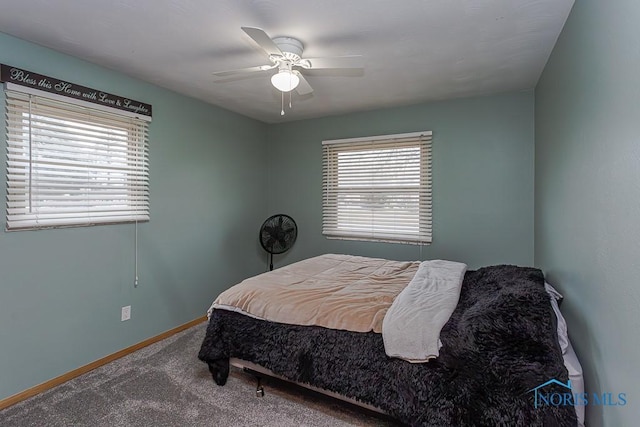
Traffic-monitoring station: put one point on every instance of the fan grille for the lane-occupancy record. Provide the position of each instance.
(278, 233)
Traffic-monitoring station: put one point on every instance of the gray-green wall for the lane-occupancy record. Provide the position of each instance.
(482, 178)
(61, 290)
(587, 197)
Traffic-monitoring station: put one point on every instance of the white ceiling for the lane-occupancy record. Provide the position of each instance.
(413, 50)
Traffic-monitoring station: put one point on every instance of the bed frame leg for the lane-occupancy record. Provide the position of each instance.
(259, 388)
(258, 377)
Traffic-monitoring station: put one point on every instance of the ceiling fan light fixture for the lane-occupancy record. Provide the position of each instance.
(285, 80)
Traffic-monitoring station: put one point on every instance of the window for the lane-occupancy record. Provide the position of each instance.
(70, 165)
(378, 188)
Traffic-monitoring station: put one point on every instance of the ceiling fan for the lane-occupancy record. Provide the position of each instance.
(285, 55)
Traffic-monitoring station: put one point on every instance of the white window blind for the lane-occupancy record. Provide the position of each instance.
(378, 188)
(70, 165)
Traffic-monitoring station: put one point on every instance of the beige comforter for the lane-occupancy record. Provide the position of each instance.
(334, 291)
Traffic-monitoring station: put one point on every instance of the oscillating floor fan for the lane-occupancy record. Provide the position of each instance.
(277, 235)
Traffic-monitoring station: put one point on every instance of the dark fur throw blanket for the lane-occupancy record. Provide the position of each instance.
(500, 343)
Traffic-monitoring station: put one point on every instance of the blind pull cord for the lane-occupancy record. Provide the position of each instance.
(135, 280)
(30, 161)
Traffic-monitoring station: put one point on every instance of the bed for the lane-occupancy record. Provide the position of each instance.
(497, 345)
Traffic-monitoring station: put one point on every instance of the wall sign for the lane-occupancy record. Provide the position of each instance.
(60, 87)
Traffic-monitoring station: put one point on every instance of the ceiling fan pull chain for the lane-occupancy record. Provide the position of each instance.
(290, 99)
(282, 104)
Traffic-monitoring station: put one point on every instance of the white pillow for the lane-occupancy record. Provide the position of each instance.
(568, 354)
(563, 336)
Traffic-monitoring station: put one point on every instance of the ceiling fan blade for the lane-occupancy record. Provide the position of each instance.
(243, 70)
(303, 87)
(350, 61)
(263, 40)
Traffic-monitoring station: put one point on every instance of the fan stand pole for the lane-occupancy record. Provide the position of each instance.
(271, 261)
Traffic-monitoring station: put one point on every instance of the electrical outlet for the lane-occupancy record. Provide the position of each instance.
(126, 313)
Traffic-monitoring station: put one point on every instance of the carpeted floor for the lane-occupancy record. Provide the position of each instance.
(166, 385)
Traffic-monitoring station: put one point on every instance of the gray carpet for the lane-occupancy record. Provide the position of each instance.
(166, 385)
